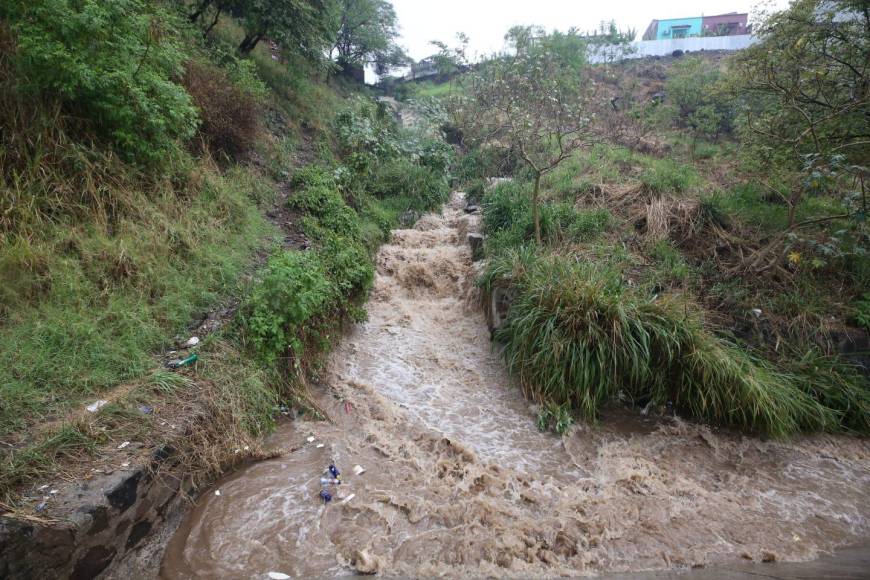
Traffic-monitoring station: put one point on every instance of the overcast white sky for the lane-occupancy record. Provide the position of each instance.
(486, 21)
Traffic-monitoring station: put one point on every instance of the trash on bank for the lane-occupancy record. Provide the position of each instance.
(191, 342)
(325, 496)
(178, 363)
(97, 405)
(358, 470)
(217, 492)
(348, 498)
(278, 576)
(145, 409)
(310, 439)
(124, 444)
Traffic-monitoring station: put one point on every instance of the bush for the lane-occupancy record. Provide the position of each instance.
(577, 335)
(230, 116)
(293, 290)
(327, 213)
(112, 65)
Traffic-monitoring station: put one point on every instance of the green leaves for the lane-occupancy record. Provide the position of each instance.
(293, 290)
(113, 66)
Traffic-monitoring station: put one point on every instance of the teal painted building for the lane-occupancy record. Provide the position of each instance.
(674, 28)
(678, 28)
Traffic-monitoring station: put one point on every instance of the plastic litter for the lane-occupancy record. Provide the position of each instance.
(177, 363)
(54, 492)
(192, 341)
(331, 477)
(43, 487)
(96, 405)
(124, 444)
(756, 312)
(41, 506)
(125, 464)
(310, 439)
(358, 470)
(319, 445)
(278, 576)
(145, 409)
(217, 492)
(348, 498)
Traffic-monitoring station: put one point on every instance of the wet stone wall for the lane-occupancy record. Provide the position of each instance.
(104, 521)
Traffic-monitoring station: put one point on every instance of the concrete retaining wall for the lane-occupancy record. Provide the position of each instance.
(117, 515)
(644, 48)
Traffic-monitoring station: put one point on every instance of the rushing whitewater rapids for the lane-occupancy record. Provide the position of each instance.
(459, 481)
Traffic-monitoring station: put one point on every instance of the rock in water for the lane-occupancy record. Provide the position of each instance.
(476, 243)
(366, 563)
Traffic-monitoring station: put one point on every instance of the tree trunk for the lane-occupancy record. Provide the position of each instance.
(535, 213)
(203, 6)
(249, 42)
(217, 16)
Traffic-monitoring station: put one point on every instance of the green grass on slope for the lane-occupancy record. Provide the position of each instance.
(98, 302)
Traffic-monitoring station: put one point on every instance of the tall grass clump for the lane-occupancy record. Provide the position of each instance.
(577, 335)
(666, 176)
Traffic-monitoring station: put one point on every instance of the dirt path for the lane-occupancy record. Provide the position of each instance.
(459, 482)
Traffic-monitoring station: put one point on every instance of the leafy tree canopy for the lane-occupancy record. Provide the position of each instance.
(367, 30)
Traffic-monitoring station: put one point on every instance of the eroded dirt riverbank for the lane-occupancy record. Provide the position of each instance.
(460, 482)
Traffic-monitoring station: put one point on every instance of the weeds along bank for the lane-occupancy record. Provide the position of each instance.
(154, 176)
(658, 248)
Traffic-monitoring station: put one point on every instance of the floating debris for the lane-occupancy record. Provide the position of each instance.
(278, 576)
(217, 492)
(348, 498)
(358, 469)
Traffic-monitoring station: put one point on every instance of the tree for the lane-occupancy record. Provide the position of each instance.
(299, 25)
(538, 99)
(805, 92)
(693, 90)
(367, 30)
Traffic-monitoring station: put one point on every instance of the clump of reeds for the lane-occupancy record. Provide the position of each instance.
(576, 334)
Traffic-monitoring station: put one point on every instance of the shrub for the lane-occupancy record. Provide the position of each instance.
(111, 65)
(229, 114)
(327, 210)
(293, 290)
(577, 335)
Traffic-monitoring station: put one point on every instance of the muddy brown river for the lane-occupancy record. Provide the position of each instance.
(459, 482)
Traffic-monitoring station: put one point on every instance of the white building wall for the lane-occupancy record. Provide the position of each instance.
(642, 48)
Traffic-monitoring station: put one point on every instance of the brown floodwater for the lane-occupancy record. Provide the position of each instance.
(458, 480)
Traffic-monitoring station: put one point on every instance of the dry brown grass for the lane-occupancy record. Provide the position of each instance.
(229, 115)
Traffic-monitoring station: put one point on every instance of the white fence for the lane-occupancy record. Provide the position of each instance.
(642, 48)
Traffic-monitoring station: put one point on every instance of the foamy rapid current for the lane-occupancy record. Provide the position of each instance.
(459, 482)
